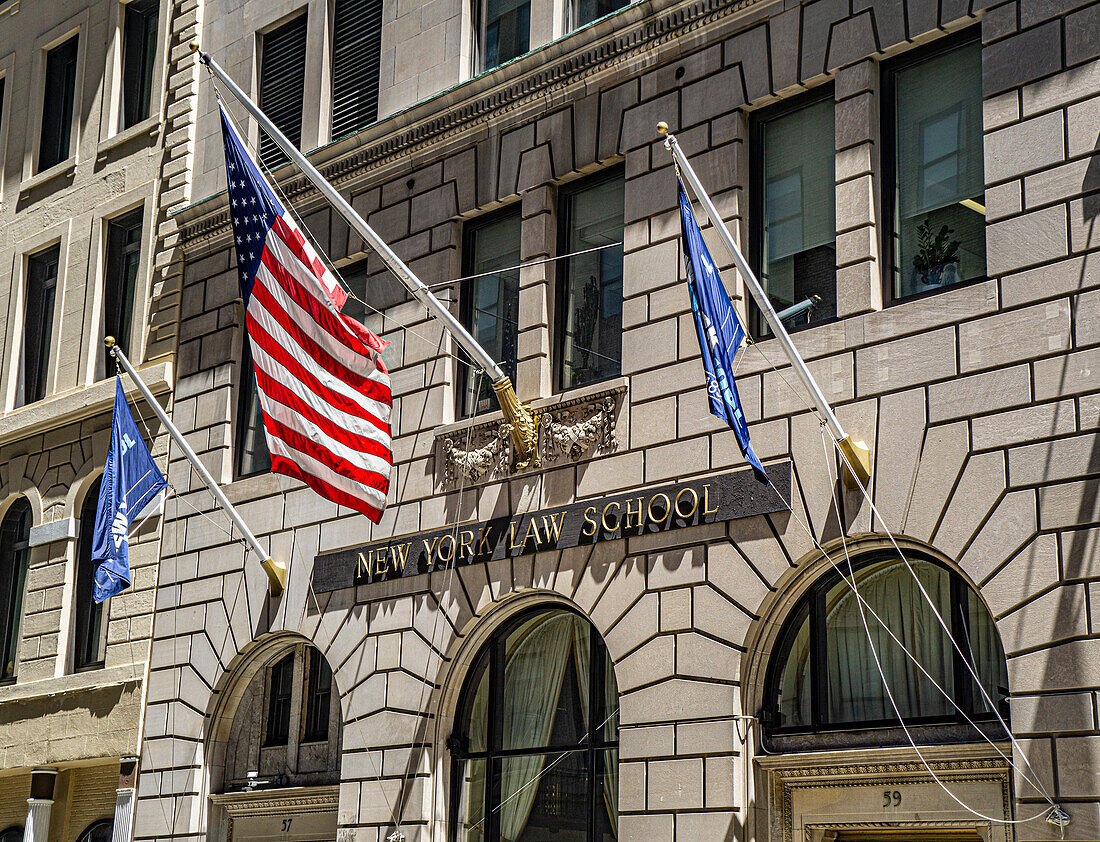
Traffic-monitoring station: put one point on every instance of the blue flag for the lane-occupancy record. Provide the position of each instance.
(720, 332)
(130, 480)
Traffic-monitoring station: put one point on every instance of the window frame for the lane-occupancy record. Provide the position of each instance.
(480, 31)
(72, 141)
(86, 612)
(7, 66)
(299, 16)
(757, 120)
(491, 651)
(564, 222)
(47, 337)
(465, 306)
(270, 739)
(823, 733)
(136, 314)
(888, 161)
(86, 834)
(375, 76)
(120, 115)
(246, 376)
(313, 713)
(12, 612)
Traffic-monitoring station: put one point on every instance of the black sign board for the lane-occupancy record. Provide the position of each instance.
(646, 511)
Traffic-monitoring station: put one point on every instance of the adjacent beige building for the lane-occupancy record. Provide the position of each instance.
(83, 142)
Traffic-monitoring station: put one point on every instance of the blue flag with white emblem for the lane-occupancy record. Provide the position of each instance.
(130, 480)
(720, 331)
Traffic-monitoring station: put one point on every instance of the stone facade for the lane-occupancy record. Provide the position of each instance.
(979, 404)
(78, 724)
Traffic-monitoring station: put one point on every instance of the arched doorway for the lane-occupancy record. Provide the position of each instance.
(833, 760)
(277, 768)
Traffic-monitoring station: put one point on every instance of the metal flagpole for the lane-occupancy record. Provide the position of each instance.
(276, 571)
(524, 425)
(857, 453)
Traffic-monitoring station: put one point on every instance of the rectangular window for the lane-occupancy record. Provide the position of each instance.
(356, 55)
(935, 176)
(505, 31)
(318, 699)
(59, 94)
(282, 86)
(139, 51)
(252, 453)
(280, 683)
(120, 281)
(590, 312)
(38, 325)
(14, 554)
(88, 631)
(794, 210)
(490, 303)
(585, 11)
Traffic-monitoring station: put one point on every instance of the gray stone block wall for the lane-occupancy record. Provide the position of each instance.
(980, 404)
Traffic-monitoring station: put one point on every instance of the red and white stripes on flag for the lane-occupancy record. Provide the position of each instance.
(323, 389)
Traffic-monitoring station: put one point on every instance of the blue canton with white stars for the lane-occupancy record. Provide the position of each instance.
(252, 206)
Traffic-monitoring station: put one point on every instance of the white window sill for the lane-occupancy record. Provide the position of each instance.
(64, 169)
(149, 127)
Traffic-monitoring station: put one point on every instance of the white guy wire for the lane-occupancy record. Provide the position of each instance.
(886, 684)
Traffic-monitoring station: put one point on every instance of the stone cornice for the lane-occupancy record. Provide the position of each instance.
(643, 29)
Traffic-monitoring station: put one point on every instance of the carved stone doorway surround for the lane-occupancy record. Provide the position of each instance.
(885, 794)
(302, 814)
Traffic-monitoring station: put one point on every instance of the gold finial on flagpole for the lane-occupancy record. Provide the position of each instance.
(108, 342)
(662, 127)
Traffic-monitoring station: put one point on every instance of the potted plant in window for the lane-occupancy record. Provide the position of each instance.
(936, 262)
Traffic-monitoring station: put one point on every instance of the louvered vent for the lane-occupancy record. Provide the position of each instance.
(282, 86)
(356, 54)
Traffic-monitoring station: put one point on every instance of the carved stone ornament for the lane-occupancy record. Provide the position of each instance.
(573, 431)
(569, 429)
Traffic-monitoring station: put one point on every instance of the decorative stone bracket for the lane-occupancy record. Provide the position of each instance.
(569, 429)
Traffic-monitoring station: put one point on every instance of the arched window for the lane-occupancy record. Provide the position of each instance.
(89, 632)
(15, 534)
(286, 730)
(12, 834)
(824, 678)
(535, 748)
(99, 831)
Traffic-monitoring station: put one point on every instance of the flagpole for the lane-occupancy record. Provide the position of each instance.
(276, 571)
(524, 425)
(856, 453)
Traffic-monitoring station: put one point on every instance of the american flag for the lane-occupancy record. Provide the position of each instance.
(324, 391)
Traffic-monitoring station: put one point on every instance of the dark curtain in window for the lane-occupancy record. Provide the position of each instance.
(280, 687)
(120, 281)
(356, 54)
(282, 86)
(88, 632)
(139, 50)
(15, 533)
(38, 325)
(58, 104)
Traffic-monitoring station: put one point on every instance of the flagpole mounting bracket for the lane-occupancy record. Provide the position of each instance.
(276, 575)
(857, 462)
(524, 425)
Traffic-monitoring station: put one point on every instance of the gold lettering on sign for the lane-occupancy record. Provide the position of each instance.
(465, 543)
(483, 540)
(446, 559)
(400, 557)
(362, 566)
(430, 548)
(707, 510)
(512, 545)
(637, 514)
(552, 524)
(694, 505)
(590, 524)
(532, 531)
(379, 567)
(607, 526)
(668, 508)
